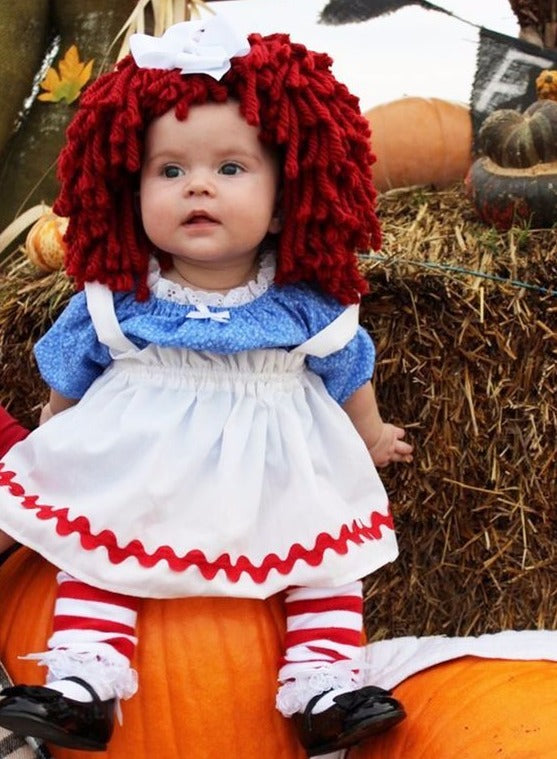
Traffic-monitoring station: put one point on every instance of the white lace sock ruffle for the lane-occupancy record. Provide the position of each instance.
(294, 695)
(107, 672)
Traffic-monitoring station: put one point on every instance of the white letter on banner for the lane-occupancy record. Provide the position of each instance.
(517, 88)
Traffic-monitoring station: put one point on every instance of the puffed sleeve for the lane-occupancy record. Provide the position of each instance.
(69, 355)
(346, 370)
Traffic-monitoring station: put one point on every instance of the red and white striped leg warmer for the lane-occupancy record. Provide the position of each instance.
(93, 638)
(323, 644)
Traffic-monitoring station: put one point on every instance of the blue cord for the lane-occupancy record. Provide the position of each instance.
(458, 270)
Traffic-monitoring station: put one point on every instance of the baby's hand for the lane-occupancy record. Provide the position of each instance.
(391, 447)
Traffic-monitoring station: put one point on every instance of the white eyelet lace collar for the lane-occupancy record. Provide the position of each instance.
(238, 296)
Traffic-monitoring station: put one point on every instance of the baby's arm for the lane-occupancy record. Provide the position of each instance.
(55, 404)
(384, 441)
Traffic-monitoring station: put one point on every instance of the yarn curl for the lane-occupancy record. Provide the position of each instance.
(289, 92)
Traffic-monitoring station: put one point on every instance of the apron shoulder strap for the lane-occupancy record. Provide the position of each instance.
(334, 336)
(100, 302)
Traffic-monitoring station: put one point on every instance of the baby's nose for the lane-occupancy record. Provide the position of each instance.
(200, 182)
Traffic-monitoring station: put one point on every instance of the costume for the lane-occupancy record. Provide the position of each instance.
(209, 452)
(269, 485)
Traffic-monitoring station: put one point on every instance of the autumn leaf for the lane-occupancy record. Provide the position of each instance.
(67, 82)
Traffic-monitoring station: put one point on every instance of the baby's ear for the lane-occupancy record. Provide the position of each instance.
(276, 224)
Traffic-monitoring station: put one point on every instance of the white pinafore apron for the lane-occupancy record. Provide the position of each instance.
(192, 473)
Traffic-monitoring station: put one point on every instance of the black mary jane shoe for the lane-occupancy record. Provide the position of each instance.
(41, 712)
(354, 716)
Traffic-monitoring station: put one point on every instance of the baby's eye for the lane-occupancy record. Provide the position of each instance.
(171, 171)
(230, 168)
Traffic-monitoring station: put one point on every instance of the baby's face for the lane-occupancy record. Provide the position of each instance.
(208, 187)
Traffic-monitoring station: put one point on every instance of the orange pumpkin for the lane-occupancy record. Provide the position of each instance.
(207, 670)
(420, 141)
(474, 709)
(44, 244)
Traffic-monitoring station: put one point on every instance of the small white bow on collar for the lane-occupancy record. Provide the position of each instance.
(194, 47)
(204, 313)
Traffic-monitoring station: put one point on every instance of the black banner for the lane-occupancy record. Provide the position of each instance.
(506, 72)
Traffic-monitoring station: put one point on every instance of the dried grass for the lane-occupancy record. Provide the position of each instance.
(468, 363)
(29, 302)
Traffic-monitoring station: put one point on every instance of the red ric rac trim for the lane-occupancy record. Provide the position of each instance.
(356, 533)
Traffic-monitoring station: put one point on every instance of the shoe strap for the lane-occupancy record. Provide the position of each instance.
(311, 703)
(308, 711)
(84, 684)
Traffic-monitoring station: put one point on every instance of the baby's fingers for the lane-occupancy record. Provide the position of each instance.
(403, 451)
(403, 448)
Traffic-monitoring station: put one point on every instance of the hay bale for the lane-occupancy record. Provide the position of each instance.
(30, 301)
(465, 321)
(468, 363)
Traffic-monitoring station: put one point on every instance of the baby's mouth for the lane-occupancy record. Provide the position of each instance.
(200, 217)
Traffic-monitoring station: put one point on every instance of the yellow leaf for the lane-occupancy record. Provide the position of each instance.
(70, 65)
(67, 84)
(51, 82)
(86, 72)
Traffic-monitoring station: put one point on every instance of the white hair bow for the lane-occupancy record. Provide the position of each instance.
(194, 47)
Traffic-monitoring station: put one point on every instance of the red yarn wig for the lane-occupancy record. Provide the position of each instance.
(284, 89)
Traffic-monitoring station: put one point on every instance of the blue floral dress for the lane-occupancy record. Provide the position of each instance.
(209, 453)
